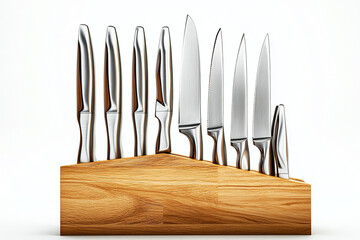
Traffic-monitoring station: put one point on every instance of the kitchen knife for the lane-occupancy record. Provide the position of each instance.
(279, 143)
(164, 92)
(262, 112)
(85, 96)
(139, 91)
(215, 123)
(239, 110)
(190, 91)
(112, 93)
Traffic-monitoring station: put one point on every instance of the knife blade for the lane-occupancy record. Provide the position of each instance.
(279, 143)
(112, 93)
(239, 110)
(215, 123)
(262, 111)
(164, 92)
(85, 96)
(190, 91)
(139, 91)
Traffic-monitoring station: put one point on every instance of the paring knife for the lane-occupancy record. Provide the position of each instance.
(164, 92)
(262, 111)
(139, 91)
(215, 123)
(279, 143)
(112, 93)
(239, 110)
(190, 91)
(85, 96)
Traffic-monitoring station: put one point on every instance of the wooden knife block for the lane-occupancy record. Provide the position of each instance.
(172, 194)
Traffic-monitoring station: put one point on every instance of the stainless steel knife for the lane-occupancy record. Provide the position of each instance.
(215, 123)
(239, 110)
(279, 143)
(190, 91)
(112, 93)
(139, 91)
(262, 111)
(164, 92)
(85, 96)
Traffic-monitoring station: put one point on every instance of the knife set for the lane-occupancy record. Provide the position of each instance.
(167, 193)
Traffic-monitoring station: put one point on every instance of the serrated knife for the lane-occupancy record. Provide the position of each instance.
(164, 92)
(215, 123)
(112, 93)
(85, 96)
(139, 91)
(262, 111)
(239, 110)
(190, 91)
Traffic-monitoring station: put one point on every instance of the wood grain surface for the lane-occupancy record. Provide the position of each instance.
(172, 194)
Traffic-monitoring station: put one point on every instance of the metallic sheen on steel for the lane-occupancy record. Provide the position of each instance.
(112, 93)
(239, 110)
(190, 91)
(85, 96)
(279, 143)
(216, 102)
(164, 92)
(262, 112)
(139, 91)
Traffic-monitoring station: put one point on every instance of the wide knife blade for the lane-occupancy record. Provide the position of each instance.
(140, 91)
(190, 90)
(85, 96)
(239, 110)
(215, 122)
(112, 93)
(164, 92)
(262, 111)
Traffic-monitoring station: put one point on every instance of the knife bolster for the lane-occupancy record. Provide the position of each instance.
(242, 153)
(266, 164)
(219, 150)
(193, 133)
(163, 143)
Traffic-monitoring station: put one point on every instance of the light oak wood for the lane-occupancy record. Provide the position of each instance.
(172, 194)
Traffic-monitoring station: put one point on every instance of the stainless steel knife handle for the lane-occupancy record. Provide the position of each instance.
(140, 120)
(266, 164)
(113, 121)
(279, 143)
(242, 153)
(193, 133)
(87, 146)
(219, 150)
(163, 144)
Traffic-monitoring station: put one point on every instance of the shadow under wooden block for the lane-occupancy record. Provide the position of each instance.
(172, 194)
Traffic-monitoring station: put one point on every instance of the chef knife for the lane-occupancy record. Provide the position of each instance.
(239, 110)
(164, 92)
(112, 93)
(279, 143)
(139, 91)
(262, 111)
(85, 96)
(190, 90)
(215, 123)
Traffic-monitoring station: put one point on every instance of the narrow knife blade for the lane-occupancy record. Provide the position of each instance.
(262, 102)
(190, 91)
(215, 117)
(239, 109)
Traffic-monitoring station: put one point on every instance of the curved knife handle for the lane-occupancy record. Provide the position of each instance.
(113, 123)
(193, 133)
(87, 146)
(266, 164)
(140, 120)
(242, 151)
(219, 150)
(163, 144)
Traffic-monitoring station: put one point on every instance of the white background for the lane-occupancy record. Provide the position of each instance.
(315, 74)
